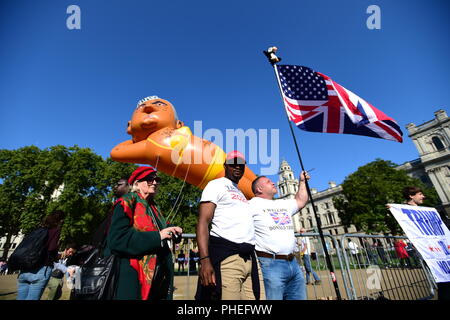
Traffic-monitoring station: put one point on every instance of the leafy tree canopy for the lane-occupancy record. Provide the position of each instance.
(34, 182)
(367, 191)
(179, 202)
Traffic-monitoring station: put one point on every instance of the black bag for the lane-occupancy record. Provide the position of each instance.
(58, 274)
(31, 253)
(97, 277)
(98, 274)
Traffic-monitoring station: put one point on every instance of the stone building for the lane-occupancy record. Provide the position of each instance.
(432, 140)
(15, 240)
(323, 200)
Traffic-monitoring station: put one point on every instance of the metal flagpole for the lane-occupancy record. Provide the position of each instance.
(273, 59)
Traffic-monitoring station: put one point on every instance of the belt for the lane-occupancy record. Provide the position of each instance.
(287, 257)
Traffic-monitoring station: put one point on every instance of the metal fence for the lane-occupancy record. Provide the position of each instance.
(368, 270)
(376, 268)
(315, 267)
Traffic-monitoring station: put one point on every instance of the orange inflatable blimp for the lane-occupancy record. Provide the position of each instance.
(160, 139)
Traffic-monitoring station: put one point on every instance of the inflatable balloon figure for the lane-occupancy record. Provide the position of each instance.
(160, 139)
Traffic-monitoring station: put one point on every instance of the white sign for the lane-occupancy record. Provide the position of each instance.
(427, 232)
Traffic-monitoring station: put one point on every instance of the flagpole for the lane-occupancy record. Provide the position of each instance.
(273, 59)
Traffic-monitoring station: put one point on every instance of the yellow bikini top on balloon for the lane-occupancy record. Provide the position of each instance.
(179, 139)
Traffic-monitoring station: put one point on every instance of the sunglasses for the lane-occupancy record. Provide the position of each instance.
(151, 179)
(236, 165)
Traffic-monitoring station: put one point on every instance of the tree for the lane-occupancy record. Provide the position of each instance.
(178, 201)
(35, 182)
(17, 184)
(86, 194)
(367, 191)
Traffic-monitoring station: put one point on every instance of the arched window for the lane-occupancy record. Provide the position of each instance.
(438, 143)
(331, 218)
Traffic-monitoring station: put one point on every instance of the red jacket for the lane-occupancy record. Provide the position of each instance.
(400, 249)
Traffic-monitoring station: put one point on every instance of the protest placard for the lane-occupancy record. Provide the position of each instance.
(428, 233)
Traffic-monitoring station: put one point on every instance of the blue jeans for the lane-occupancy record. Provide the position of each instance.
(308, 268)
(31, 284)
(283, 280)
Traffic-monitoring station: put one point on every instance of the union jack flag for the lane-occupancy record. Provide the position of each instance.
(280, 218)
(316, 103)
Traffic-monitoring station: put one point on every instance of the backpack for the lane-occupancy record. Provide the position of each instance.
(31, 253)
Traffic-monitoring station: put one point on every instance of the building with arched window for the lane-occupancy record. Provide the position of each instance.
(437, 142)
(288, 186)
(432, 140)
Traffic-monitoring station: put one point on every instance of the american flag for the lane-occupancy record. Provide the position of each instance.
(316, 103)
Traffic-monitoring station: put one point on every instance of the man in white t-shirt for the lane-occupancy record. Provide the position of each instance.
(353, 247)
(228, 265)
(275, 239)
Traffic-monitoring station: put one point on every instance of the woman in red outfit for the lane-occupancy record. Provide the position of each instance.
(402, 254)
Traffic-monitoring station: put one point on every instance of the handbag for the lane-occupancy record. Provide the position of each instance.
(96, 279)
(58, 274)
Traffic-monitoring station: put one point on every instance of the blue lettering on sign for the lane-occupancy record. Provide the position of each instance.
(424, 222)
(427, 222)
(437, 222)
(444, 265)
(444, 247)
(409, 215)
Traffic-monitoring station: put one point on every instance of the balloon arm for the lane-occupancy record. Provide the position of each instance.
(128, 151)
(156, 152)
(245, 184)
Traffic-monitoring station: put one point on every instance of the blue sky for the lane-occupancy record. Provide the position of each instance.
(61, 86)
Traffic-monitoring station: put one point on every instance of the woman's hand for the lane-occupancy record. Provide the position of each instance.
(170, 232)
